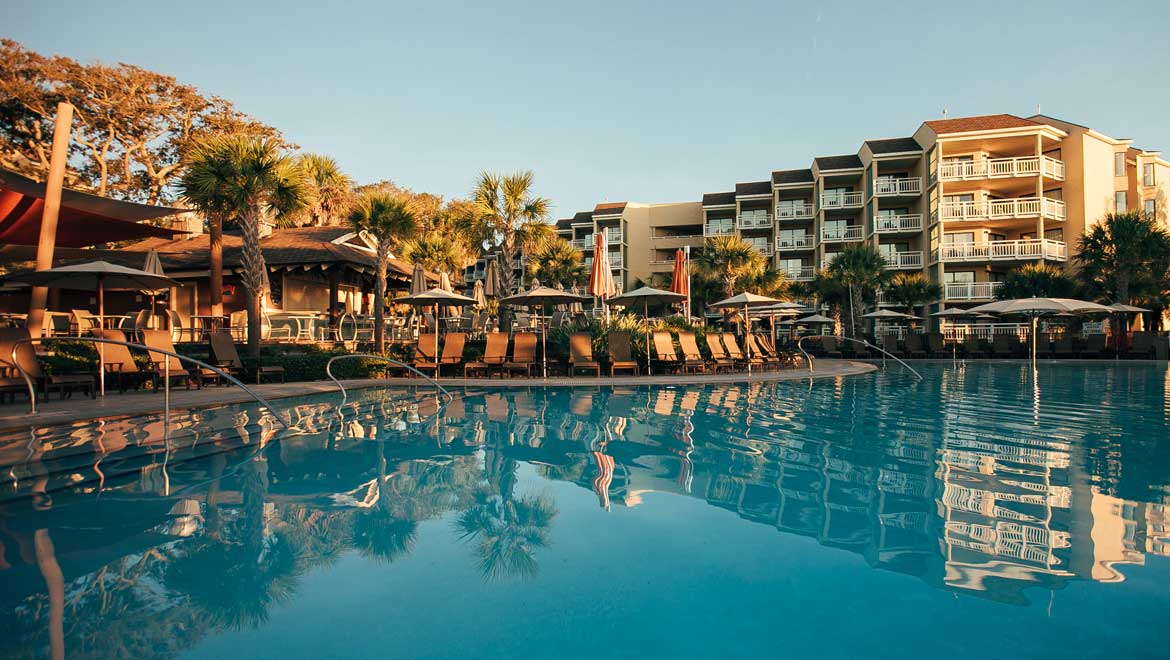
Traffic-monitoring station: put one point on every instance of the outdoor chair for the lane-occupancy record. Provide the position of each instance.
(1141, 346)
(177, 329)
(1043, 345)
(118, 361)
(936, 345)
(692, 356)
(425, 352)
(581, 354)
(523, 354)
(160, 362)
(80, 321)
(890, 345)
(225, 356)
(719, 357)
(494, 355)
(140, 322)
(621, 354)
(664, 351)
(453, 343)
(830, 347)
(1063, 347)
(557, 320)
(11, 382)
(737, 357)
(914, 346)
(760, 356)
(1004, 346)
(238, 325)
(1094, 346)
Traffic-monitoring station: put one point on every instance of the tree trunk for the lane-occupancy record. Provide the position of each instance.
(507, 259)
(380, 296)
(215, 243)
(253, 275)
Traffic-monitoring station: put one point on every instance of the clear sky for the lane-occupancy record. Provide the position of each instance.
(641, 101)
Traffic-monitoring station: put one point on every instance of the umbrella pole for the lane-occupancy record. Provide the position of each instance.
(543, 341)
(1034, 343)
(438, 329)
(747, 328)
(101, 320)
(646, 322)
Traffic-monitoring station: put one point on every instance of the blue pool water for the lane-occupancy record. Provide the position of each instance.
(975, 512)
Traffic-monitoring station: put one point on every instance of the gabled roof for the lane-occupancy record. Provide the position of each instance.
(979, 123)
(582, 216)
(564, 223)
(611, 208)
(719, 198)
(753, 188)
(847, 162)
(893, 145)
(781, 177)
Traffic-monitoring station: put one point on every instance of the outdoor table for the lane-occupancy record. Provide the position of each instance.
(303, 323)
(13, 319)
(208, 322)
(108, 321)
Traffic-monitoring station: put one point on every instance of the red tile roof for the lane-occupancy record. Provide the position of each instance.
(612, 208)
(980, 123)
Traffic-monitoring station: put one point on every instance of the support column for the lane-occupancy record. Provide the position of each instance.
(38, 300)
(1040, 192)
(334, 287)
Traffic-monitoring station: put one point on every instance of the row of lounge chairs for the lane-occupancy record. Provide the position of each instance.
(1003, 346)
(723, 354)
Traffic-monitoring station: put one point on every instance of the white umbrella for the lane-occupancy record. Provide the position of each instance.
(746, 301)
(436, 297)
(543, 296)
(153, 266)
(478, 294)
(1034, 308)
(889, 314)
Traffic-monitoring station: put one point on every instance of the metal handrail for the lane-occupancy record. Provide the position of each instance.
(808, 358)
(166, 372)
(380, 358)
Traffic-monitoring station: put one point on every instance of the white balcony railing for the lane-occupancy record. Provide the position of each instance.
(903, 260)
(842, 234)
(794, 210)
(961, 291)
(615, 260)
(1001, 168)
(754, 220)
(802, 273)
(784, 243)
(1023, 249)
(888, 186)
(1001, 209)
(613, 235)
(719, 229)
(894, 224)
(585, 243)
(840, 200)
(676, 237)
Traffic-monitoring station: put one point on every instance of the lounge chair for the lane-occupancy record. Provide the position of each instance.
(1043, 345)
(117, 360)
(1094, 346)
(733, 352)
(974, 347)
(1141, 346)
(225, 356)
(12, 382)
(1004, 346)
(620, 353)
(161, 339)
(494, 355)
(936, 346)
(890, 345)
(581, 354)
(692, 357)
(760, 356)
(787, 358)
(830, 347)
(425, 352)
(1063, 347)
(914, 347)
(453, 343)
(664, 351)
(719, 357)
(523, 354)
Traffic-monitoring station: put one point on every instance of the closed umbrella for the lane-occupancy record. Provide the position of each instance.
(100, 276)
(445, 284)
(647, 296)
(478, 294)
(746, 301)
(680, 280)
(601, 276)
(1034, 308)
(492, 286)
(1123, 309)
(436, 297)
(542, 296)
(153, 266)
(418, 280)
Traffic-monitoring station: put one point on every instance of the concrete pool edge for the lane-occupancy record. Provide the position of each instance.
(122, 406)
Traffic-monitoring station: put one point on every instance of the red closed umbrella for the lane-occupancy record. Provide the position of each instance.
(601, 277)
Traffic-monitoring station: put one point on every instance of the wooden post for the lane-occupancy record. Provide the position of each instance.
(38, 300)
(334, 288)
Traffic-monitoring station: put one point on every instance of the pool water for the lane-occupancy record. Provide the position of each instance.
(979, 511)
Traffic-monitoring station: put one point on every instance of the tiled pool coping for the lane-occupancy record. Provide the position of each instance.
(130, 404)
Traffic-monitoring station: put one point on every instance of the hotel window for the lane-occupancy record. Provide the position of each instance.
(1148, 174)
(892, 249)
(1119, 163)
(792, 237)
(965, 237)
(1119, 204)
(959, 277)
(1150, 208)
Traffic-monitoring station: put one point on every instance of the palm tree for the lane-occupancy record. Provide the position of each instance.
(1123, 256)
(387, 219)
(862, 270)
(332, 191)
(204, 184)
(556, 261)
(728, 259)
(516, 218)
(1037, 281)
(254, 181)
(912, 290)
(437, 251)
(767, 282)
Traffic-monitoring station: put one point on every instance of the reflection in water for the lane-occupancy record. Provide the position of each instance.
(971, 481)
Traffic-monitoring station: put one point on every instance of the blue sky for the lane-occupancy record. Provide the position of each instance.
(642, 101)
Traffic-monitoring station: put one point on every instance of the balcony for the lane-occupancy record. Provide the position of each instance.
(898, 224)
(888, 186)
(909, 259)
(1023, 249)
(842, 234)
(615, 260)
(849, 200)
(754, 220)
(801, 274)
(613, 235)
(1001, 168)
(794, 210)
(719, 229)
(585, 243)
(792, 243)
(763, 247)
(963, 291)
(1004, 209)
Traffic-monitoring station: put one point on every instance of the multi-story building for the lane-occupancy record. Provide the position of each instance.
(962, 200)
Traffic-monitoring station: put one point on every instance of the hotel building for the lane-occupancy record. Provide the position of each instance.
(962, 201)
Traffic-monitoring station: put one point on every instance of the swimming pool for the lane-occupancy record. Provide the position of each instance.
(975, 511)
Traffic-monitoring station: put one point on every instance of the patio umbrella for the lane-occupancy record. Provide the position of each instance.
(1123, 309)
(153, 266)
(647, 296)
(445, 284)
(746, 301)
(478, 294)
(601, 276)
(679, 281)
(492, 286)
(436, 297)
(97, 276)
(953, 313)
(418, 280)
(889, 314)
(542, 296)
(1034, 308)
(779, 309)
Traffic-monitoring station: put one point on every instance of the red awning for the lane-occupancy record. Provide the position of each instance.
(84, 220)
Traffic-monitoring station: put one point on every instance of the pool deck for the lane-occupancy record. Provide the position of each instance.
(13, 416)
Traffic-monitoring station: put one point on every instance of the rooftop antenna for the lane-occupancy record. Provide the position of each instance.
(1037, 108)
(944, 113)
